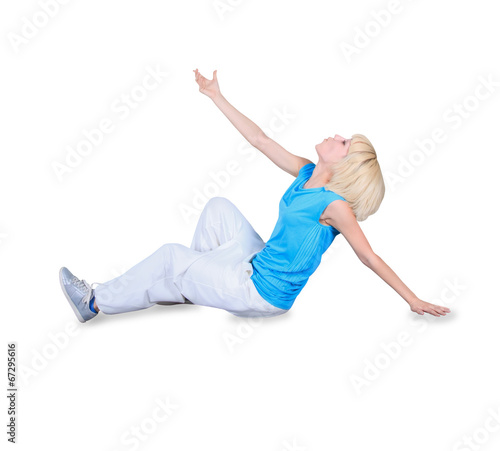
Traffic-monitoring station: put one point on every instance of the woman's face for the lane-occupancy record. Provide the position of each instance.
(333, 149)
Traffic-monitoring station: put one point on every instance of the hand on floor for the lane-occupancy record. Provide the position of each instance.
(421, 307)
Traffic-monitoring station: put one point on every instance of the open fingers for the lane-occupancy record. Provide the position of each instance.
(198, 75)
(432, 309)
(442, 310)
(437, 310)
(200, 79)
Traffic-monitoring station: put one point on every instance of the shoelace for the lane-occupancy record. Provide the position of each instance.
(84, 286)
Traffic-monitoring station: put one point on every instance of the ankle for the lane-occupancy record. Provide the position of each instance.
(93, 306)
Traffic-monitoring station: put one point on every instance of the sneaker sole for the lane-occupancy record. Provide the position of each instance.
(71, 303)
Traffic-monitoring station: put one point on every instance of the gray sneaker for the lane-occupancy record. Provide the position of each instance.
(78, 293)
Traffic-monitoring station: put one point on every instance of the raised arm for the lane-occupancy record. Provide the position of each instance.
(342, 218)
(251, 132)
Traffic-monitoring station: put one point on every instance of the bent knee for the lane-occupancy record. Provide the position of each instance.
(218, 202)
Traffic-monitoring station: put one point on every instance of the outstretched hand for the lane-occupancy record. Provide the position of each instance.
(208, 87)
(421, 307)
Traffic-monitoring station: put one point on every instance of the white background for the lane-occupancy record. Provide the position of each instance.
(284, 383)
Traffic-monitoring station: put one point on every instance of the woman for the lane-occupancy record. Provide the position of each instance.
(228, 265)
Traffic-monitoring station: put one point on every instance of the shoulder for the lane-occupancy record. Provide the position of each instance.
(306, 167)
(339, 204)
(339, 211)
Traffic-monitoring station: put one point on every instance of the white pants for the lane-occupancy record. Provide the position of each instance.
(215, 271)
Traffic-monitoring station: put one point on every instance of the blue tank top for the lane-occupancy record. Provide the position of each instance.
(294, 250)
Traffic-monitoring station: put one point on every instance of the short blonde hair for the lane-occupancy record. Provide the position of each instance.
(358, 179)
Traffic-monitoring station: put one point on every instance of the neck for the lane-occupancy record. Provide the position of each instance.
(321, 175)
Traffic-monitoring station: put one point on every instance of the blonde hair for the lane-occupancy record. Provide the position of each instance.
(358, 179)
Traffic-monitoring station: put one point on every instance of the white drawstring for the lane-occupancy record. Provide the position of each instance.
(84, 286)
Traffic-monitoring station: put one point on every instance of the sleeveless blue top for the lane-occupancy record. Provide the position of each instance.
(293, 252)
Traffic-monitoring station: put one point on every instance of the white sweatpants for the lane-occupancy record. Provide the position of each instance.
(215, 271)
